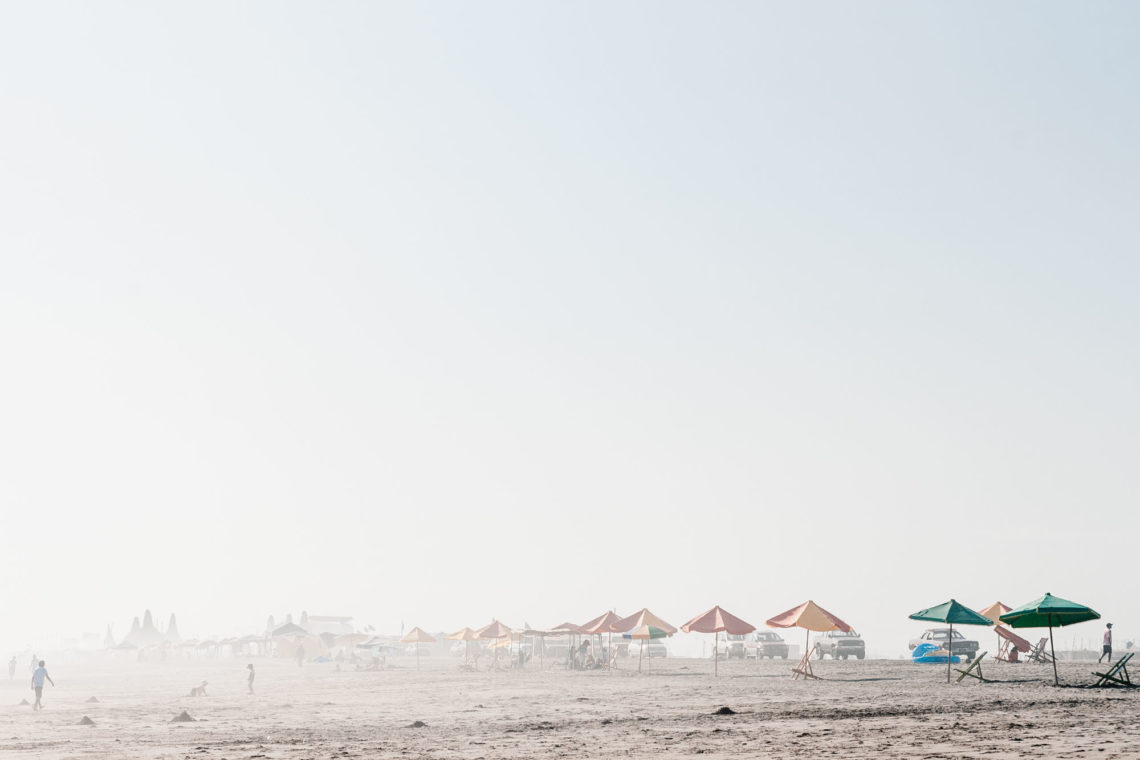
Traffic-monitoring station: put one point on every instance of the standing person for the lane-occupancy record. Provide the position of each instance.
(38, 684)
(12, 668)
(251, 674)
(300, 655)
(1106, 650)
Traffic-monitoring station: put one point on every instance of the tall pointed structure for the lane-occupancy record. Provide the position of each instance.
(172, 634)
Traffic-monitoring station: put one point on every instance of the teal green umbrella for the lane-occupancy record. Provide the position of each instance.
(1049, 611)
(951, 612)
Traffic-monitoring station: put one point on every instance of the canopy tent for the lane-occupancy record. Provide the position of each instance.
(1049, 611)
(951, 612)
(714, 621)
(645, 633)
(417, 636)
(811, 617)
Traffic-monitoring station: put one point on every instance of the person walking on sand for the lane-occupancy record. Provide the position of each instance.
(12, 668)
(38, 684)
(1106, 650)
(251, 674)
(301, 656)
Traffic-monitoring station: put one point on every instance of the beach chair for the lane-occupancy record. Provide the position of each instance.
(1039, 652)
(1117, 675)
(1010, 641)
(975, 664)
(803, 668)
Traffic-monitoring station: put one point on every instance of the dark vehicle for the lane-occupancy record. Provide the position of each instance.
(770, 644)
(735, 646)
(840, 645)
(958, 644)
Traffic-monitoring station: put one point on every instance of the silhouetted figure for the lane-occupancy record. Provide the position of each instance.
(1106, 650)
(12, 668)
(300, 656)
(38, 677)
(250, 680)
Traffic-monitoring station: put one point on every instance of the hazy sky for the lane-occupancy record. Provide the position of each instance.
(433, 312)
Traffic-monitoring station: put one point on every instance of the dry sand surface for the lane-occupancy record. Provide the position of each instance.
(865, 709)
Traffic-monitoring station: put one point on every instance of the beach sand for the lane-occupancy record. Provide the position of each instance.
(864, 709)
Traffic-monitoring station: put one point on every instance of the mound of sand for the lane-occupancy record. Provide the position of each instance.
(418, 724)
(92, 700)
(182, 717)
(86, 721)
(725, 711)
(24, 703)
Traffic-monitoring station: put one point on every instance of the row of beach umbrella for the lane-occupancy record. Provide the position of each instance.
(1047, 611)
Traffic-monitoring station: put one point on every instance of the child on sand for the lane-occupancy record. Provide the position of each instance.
(12, 668)
(38, 684)
(199, 691)
(250, 681)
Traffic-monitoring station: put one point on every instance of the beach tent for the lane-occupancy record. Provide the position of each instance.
(811, 617)
(714, 621)
(645, 633)
(466, 636)
(417, 636)
(1049, 611)
(951, 612)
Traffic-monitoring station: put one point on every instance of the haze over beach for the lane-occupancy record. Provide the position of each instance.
(429, 314)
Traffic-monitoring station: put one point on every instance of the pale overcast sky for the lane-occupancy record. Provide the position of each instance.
(433, 312)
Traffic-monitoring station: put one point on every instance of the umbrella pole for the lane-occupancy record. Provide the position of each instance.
(640, 654)
(1053, 653)
(949, 651)
(716, 655)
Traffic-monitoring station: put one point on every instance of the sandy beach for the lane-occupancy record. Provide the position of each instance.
(863, 709)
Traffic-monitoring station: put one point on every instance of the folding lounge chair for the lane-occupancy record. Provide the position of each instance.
(1117, 675)
(803, 668)
(975, 664)
(1040, 652)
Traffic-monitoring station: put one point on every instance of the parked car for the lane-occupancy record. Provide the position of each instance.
(840, 645)
(769, 644)
(735, 646)
(945, 638)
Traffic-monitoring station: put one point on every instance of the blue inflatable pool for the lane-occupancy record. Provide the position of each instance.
(924, 653)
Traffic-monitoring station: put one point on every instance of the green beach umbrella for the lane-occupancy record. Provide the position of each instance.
(951, 612)
(1049, 611)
